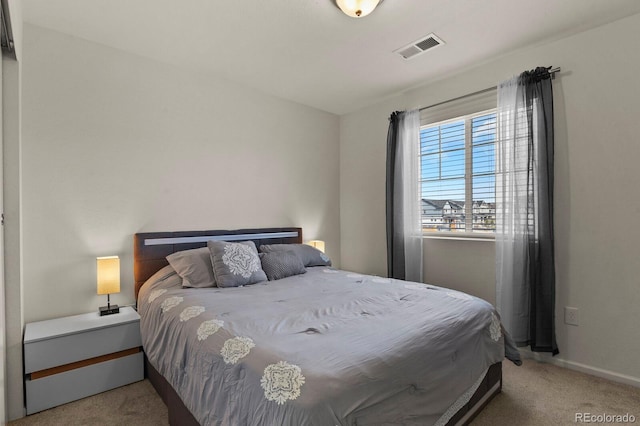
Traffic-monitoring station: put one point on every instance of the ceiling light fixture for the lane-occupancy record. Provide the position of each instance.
(357, 8)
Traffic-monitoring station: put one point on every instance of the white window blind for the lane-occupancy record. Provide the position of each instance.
(457, 159)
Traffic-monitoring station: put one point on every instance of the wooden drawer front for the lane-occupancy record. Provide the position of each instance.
(82, 382)
(57, 351)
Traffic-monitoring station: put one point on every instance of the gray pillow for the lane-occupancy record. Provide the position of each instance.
(281, 264)
(310, 256)
(235, 264)
(194, 267)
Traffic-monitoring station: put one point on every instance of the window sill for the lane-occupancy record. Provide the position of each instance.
(460, 237)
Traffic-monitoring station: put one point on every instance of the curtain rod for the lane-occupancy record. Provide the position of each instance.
(552, 71)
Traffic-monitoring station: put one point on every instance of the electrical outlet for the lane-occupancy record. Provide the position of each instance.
(570, 315)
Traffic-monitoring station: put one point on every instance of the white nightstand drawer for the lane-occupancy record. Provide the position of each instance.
(73, 357)
(75, 384)
(53, 352)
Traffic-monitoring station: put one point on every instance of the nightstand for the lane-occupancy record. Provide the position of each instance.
(74, 357)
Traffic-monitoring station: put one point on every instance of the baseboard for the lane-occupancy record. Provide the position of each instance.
(583, 368)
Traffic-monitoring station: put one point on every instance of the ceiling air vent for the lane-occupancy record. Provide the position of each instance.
(419, 46)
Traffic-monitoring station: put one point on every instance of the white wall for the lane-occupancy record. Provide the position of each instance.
(597, 173)
(115, 144)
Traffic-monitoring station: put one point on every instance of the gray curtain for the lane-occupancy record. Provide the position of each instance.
(404, 228)
(525, 266)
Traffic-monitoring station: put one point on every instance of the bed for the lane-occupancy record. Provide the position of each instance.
(327, 347)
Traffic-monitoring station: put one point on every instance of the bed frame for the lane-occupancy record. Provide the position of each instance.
(150, 251)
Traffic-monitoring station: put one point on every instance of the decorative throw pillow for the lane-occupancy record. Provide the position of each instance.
(194, 266)
(310, 256)
(281, 264)
(235, 264)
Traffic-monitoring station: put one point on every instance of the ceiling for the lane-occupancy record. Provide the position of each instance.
(309, 52)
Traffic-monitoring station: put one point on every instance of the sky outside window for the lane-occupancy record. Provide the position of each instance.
(443, 159)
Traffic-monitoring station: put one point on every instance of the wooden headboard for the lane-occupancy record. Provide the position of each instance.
(150, 249)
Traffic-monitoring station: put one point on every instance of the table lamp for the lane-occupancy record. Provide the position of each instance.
(319, 244)
(108, 281)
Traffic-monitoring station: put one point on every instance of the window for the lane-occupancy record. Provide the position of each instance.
(457, 176)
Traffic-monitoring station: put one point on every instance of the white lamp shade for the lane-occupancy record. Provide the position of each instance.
(319, 244)
(357, 8)
(108, 274)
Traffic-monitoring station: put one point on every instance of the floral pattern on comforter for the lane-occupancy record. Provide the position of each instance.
(328, 347)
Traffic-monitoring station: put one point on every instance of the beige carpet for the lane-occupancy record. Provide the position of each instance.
(136, 404)
(543, 394)
(534, 394)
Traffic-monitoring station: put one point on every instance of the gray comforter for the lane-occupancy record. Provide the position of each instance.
(328, 347)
